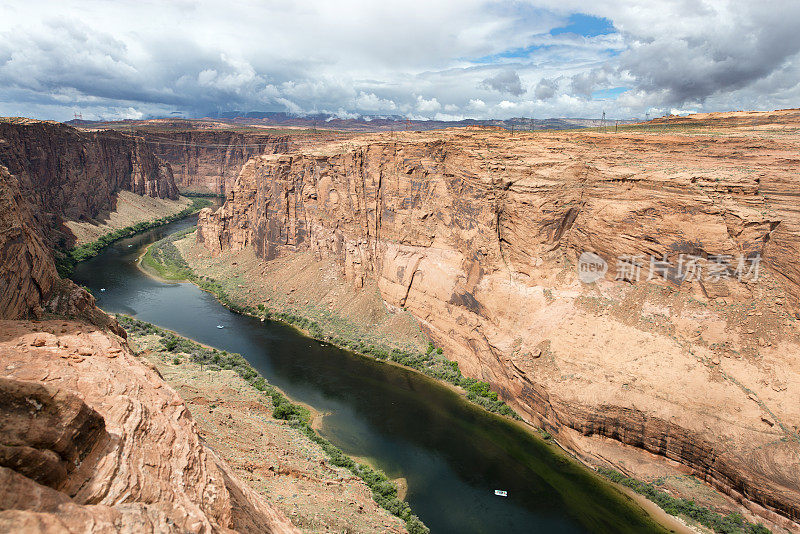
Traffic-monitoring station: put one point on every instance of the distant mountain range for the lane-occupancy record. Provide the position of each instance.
(364, 123)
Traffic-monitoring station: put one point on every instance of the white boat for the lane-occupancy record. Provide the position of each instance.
(501, 493)
(220, 326)
(102, 289)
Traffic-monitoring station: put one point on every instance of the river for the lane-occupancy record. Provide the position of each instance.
(453, 454)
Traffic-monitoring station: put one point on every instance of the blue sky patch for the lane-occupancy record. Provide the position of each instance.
(608, 94)
(512, 53)
(585, 25)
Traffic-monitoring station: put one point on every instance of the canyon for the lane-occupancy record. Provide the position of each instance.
(67, 174)
(478, 233)
(475, 235)
(209, 160)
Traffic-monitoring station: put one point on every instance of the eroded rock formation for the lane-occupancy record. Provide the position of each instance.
(29, 283)
(208, 161)
(478, 233)
(68, 174)
(51, 173)
(91, 439)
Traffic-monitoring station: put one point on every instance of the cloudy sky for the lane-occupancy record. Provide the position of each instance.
(443, 59)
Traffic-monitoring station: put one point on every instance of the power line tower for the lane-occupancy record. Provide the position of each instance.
(603, 121)
(78, 116)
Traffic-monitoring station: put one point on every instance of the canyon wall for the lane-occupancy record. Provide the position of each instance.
(67, 174)
(478, 234)
(91, 438)
(51, 173)
(94, 440)
(208, 161)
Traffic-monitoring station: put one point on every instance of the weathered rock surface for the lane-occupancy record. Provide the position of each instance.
(91, 439)
(477, 233)
(208, 161)
(67, 174)
(27, 272)
(29, 283)
(51, 173)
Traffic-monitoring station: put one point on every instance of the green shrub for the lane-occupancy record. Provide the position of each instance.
(732, 523)
(383, 490)
(67, 259)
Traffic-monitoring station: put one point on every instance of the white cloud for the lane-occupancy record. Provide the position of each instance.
(476, 58)
(372, 102)
(344, 114)
(427, 106)
(476, 104)
(505, 81)
(291, 107)
(545, 89)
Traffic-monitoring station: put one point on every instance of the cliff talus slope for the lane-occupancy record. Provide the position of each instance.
(478, 233)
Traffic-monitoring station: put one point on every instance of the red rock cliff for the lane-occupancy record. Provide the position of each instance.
(208, 161)
(67, 174)
(477, 233)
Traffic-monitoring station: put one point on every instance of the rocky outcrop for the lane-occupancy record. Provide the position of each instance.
(51, 173)
(208, 161)
(91, 439)
(27, 272)
(67, 174)
(29, 283)
(478, 234)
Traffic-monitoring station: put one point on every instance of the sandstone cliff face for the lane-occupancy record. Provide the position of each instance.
(67, 174)
(91, 439)
(27, 272)
(208, 161)
(51, 173)
(29, 283)
(477, 234)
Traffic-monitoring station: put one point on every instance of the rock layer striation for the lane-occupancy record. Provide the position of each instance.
(479, 233)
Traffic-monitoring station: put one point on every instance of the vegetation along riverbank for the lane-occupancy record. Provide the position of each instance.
(166, 259)
(184, 361)
(66, 259)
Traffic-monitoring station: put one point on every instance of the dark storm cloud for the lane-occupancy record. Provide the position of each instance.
(715, 48)
(450, 58)
(68, 59)
(545, 89)
(585, 83)
(506, 81)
